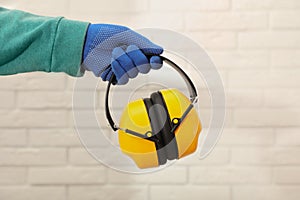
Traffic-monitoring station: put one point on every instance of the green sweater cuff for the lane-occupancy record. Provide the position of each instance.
(68, 46)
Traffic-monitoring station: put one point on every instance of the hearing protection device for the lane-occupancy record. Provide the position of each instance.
(163, 127)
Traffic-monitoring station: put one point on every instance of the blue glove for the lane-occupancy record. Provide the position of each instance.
(121, 47)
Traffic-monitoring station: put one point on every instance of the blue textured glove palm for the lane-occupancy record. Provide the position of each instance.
(121, 47)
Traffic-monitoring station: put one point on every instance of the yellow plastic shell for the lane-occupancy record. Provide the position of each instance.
(142, 151)
(188, 132)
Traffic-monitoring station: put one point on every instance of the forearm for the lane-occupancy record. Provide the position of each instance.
(34, 43)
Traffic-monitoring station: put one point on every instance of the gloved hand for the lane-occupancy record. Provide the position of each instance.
(121, 47)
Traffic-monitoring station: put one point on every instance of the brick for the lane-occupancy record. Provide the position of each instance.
(225, 175)
(263, 78)
(33, 81)
(164, 20)
(215, 40)
(265, 156)
(265, 4)
(32, 157)
(287, 175)
(48, 8)
(269, 39)
(7, 99)
(80, 156)
(282, 98)
(189, 192)
(240, 59)
(12, 137)
(86, 118)
(265, 192)
(191, 5)
(170, 175)
(12, 175)
(53, 137)
(267, 117)
(285, 19)
(244, 98)
(10, 83)
(226, 21)
(86, 83)
(34, 119)
(38, 99)
(247, 136)
(285, 58)
(32, 192)
(95, 138)
(288, 136)
(218, 156)
(112, 192)
(67, 175)
(126, 6)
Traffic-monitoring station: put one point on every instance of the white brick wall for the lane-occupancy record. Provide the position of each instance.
(255, 45)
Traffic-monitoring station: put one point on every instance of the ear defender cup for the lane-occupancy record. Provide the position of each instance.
(187, 133)
(156, 117)
(142, 151)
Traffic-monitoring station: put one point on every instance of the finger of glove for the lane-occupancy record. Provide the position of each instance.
(125, 62)
(106, 74)
(156, 62)
(139, 59)
(121, 75)
(143, 43)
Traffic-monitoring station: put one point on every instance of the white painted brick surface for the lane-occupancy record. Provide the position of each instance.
(267, 117)
(12, 175)
(247, 136)
(7, 99)
(269, 39)
(174, 175)
(232, 175)
(265, 156)
(285, 58)
(53, 137)
(189, 5)
(255, 44)
(215, 40)
(282, 98)
(247, 59)
(32, 156)
(287, 175)
(32, 192)
(13, 137)
(265, 4)
(33, 118)
(67, 175)
(288, 136)
(33, 81)
(277, 78)
(189, 192)
(44, 99)
(116, 7)
(287, 19)
(80, 156)
(112, 192)
(227, 21)
(265, 192)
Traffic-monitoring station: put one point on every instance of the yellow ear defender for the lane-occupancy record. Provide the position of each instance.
(163, 127)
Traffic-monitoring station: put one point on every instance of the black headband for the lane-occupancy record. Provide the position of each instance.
(189, 83)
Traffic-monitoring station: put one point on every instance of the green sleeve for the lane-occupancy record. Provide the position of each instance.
(34, 43)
